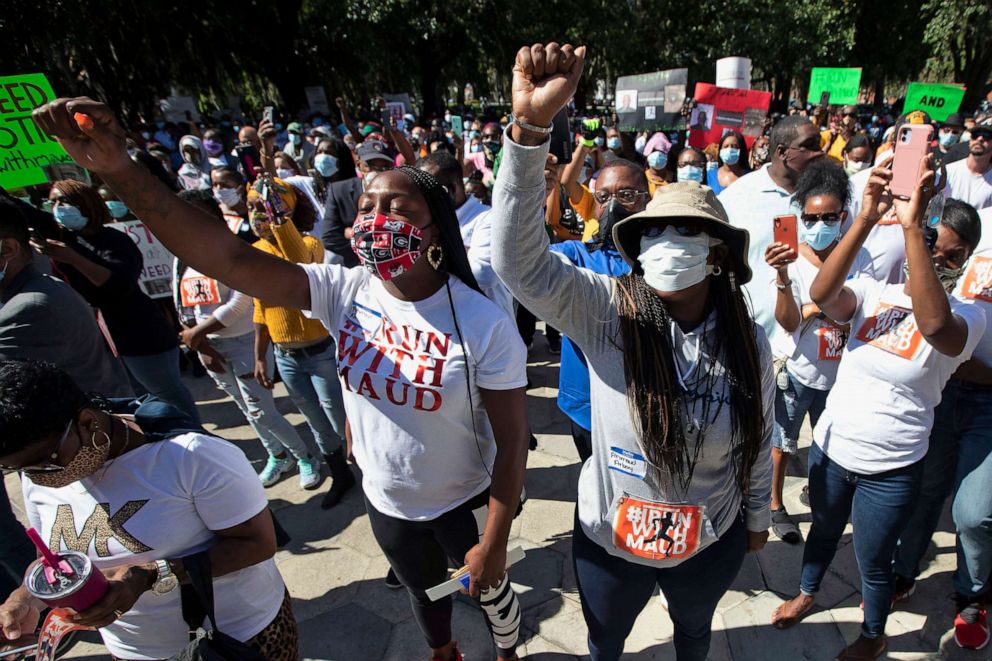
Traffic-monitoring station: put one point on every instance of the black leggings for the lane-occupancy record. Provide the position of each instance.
(418, 552)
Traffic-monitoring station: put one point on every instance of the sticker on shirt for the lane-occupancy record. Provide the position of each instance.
(199, 290)
(627, 462)
(890, 218)
(657, 531)
(977, 283)
(893, 329)
(831, 341)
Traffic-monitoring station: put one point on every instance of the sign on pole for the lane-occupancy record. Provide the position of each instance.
(24, 150)
(843, 85)
(938, 100)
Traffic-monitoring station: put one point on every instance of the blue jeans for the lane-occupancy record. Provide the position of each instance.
(959, 460)
(614, 591)
(158, 374)
(312, 382)
(791, 407)
(256, 403)
(16, 550)
(879, 506)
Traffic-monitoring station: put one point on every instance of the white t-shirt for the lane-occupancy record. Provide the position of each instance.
(880, 410)
(816, 344)
(975, 286)
(161, 501)
(965, 185)
(480, 259)
(886, 242)
(467, 214)
(403, 376)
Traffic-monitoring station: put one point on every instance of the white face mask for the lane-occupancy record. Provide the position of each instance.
(673, 262)
(854, 167)
(229, 197)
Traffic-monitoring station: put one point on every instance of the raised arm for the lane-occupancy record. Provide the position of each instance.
(96, 142)
(570, 175)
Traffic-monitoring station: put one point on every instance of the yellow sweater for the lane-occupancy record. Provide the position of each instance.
(287, 325)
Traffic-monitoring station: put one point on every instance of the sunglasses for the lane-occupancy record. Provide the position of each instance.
(653, 231)
(47, 467)
(625, 196)
(830, 218)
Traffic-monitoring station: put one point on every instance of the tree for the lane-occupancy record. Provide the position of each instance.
(960, 36)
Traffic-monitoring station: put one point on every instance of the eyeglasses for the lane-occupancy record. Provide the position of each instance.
(830, 218)
(625, 196)
(653, 231)
(47, 467)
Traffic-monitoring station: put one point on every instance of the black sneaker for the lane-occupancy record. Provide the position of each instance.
(392, 582)
(785, 528)
(804, 495)
(554, 346)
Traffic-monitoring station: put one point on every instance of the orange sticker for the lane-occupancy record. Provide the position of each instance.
(893, 329)
(657, 531)
(831, 342)
(199, 290)
(977, 283)
(890, 218)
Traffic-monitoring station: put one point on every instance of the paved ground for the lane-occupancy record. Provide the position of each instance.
(334, 571)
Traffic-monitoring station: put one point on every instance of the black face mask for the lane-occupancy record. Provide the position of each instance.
(612, 214)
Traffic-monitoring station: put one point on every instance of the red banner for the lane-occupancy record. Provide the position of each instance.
(719, 109)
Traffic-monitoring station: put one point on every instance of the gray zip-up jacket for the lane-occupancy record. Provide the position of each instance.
(630, 509)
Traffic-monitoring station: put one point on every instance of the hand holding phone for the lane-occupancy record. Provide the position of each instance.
(786, 231)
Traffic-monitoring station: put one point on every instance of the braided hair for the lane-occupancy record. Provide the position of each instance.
(454, 260)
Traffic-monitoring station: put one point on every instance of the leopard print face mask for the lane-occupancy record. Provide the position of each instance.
(87, 461)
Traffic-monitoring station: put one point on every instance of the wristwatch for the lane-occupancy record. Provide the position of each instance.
(166, 581)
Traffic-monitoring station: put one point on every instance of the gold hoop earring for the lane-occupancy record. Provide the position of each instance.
(93, 439)
(434, 256)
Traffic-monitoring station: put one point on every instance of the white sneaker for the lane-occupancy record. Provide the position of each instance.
(310, 477)
(276, 468)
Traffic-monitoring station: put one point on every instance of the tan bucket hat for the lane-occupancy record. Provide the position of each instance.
(684, 200)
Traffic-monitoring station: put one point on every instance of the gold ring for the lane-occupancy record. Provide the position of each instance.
(118, 614)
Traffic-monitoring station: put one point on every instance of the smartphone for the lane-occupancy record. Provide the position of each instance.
(561, 137)
(912, 144)
(248, 158)
(267, 114)
(456, 126)
(824, 100)
(786, 231)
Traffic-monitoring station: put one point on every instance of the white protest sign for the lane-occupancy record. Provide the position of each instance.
(156, 276)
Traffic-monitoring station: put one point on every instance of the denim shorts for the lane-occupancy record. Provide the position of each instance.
(791, 406)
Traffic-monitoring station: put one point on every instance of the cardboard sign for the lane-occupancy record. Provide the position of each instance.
(156, 276)
(651, 101)
(179, 109)
(657, 531)
(843, 84)
(893, 329)
(719, 109)
(24, 150)
(936, 99)
(317, 99)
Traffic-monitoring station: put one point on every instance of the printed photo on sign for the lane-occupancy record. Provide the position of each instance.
(893, 329)
(674, 98)
(649, 112)
(626, 101)
(702, 117)
(977, 282)
(754, 122)
(831, 342)
(657, 531)
(729, 118)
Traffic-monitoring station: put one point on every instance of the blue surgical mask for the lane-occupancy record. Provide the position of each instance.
(948, 139)
(613, 143)
(821, 235)
(70, 217)
(117, 208)
(326, 164)
(730, 155)
(599, 141)
(475, 148)
(657, 160)
(284, 173)
(295, 138)
(639, 144)
(690, 173)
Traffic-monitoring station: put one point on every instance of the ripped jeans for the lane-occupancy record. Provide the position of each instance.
(256, 403)
(312, 381)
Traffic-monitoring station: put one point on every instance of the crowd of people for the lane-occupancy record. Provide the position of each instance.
(391, 271)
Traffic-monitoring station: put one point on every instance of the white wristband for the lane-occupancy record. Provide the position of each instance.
(533, 129)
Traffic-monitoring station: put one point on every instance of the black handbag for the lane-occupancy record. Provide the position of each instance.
(198, 603)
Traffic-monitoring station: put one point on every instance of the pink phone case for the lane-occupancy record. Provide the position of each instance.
(912, 144)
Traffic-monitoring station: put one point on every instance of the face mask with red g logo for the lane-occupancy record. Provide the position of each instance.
(386, 246)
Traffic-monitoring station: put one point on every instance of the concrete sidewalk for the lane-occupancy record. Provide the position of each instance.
(335, 571)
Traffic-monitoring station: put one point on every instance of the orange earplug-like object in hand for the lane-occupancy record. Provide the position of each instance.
(83, 120)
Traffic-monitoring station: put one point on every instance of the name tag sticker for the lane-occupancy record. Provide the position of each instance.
(627, 462)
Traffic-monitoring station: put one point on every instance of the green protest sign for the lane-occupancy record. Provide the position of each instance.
(938, 100)
(24, 149)
(843, 85)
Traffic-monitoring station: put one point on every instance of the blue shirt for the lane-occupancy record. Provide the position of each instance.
(573, 377)
(713, 180)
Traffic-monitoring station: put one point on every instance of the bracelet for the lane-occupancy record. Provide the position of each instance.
(784, 286)
(542, 130)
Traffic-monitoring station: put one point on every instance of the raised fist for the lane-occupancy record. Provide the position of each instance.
(544, 79)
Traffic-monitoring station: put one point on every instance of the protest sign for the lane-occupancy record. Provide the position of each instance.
(156, 276)
(403, 98)
(24, 150)
(651, 101)
(938, 100)
(179, 109)
(719, 109)
(317, 99)
(843, 84)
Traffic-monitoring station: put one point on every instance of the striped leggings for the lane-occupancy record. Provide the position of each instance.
(418, 552)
